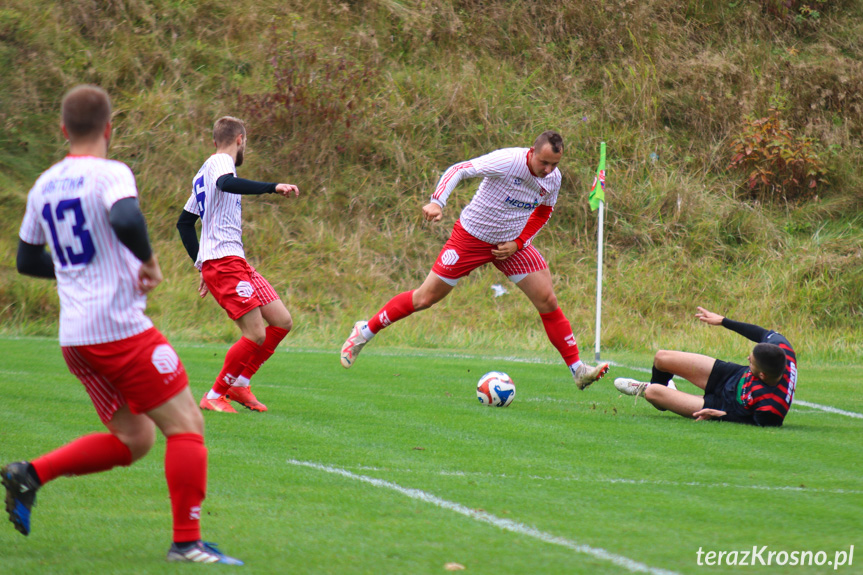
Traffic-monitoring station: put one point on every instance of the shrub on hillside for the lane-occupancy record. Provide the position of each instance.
(314, 106)
(778, 163)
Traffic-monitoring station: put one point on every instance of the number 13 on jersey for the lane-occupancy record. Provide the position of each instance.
(72, 242)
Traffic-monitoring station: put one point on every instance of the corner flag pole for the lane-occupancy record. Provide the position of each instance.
(599, 273)
(597, 201)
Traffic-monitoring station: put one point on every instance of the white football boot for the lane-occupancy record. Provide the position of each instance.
(585, 375)
(353, 345)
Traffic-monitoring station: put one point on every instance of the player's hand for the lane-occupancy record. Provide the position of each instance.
(708, 316)
(149, 275)
(287, 189)
(504, 250)
(432, 212)
(705, 414)
(203, 290)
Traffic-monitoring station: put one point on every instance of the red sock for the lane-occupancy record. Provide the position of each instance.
(274, 336)
(89, 454)
(186, 472)
(397, 308)
(240, 354)
(560, 334)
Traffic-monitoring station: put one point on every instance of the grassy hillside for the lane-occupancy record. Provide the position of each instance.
(364, 103)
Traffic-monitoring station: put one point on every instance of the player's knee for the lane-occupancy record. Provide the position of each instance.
(653, 392)
(423, 301)
(548, 303)
(661, 358)
(286, 324)
(139, 443)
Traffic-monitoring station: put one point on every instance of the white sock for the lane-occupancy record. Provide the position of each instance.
(241, 382)
(367, 333)
(213, 394)
(575, 367)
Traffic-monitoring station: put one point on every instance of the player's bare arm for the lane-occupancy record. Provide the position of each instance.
(287, 189)
(505, 250)
(707, 414)
(203, 290)
(432, 212)
(708, 317)
(150, 275)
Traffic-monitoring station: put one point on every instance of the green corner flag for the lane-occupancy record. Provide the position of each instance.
(597, 192)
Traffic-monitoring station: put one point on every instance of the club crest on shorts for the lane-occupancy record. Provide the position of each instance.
(449, 257)
(245, 289)
(165, 359)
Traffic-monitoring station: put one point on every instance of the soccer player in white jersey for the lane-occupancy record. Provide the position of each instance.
(514, 201)
(86, 208)
(243, 293)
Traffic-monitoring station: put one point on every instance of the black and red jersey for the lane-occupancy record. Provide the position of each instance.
(746, 399)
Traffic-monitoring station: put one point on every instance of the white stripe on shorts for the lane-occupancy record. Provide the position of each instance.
(106, 399)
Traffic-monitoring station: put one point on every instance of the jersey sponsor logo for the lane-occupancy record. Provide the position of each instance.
(518, 204)
(385, 319)
(245, 289)
(449, 258)
(165, 359)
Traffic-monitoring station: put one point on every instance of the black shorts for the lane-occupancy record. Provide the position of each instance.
(720, 375)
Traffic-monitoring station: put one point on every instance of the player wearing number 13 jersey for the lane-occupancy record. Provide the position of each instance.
(86, 209)
(514, 201)
(243, 293)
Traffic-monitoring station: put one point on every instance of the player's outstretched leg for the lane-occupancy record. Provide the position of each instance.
(21, 490)
(199, 552)
(353, 345)
(585, 375)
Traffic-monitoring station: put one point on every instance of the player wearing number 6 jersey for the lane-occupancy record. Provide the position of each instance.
(86, 208)
(242, 292)
(514, 201)
(758, 394)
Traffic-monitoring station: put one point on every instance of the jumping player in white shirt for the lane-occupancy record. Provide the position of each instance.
(86, 208)
(243, 293)
(513, 202)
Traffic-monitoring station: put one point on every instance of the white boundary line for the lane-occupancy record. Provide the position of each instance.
(484, 517)
(621, 480)
(829, 409)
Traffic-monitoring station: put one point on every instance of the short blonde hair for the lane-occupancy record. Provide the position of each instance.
(226, 129)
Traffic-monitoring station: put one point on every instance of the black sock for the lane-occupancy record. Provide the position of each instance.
(660, 377)
(31, 472)
(183, 545)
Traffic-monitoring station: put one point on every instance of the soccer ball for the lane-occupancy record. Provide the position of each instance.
(495, 389)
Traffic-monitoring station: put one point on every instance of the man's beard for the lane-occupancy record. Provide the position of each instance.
(240, 154)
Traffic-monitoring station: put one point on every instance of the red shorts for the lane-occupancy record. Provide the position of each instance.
(142, 371)
(462, 253)
(236, 285)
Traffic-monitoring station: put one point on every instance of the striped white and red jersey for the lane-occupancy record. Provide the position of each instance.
(97, 276)
(506, 197)
(221, 213)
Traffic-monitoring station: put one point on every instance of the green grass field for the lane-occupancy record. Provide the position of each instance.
(587, 482)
